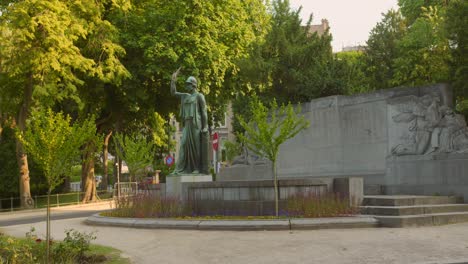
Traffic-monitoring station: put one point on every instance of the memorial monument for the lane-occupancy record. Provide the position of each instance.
(192, 163)
(405, 140)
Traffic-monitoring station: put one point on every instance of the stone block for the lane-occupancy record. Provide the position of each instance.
(351, 188)
(177, 185)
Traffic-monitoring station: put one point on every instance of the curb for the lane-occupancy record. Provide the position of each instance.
(237, 225)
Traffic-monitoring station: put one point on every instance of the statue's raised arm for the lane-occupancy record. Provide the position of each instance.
(173, 83)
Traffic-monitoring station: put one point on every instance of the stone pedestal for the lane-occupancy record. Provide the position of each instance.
(176, 185)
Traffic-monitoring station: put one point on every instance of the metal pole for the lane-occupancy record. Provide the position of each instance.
(11, 204)
(35, 201)
(118, 178)
(78, 197)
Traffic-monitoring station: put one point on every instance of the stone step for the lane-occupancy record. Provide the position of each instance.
(422, 220)
(407, 200)
(413, 210)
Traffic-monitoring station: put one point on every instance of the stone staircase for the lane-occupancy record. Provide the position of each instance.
(410, 210)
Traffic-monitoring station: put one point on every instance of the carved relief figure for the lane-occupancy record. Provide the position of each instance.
(433, 128)
(423, 115)
(454, 132)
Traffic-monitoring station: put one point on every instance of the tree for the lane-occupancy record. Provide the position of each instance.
(350, 72)
(55, 146)
(456, 26)
(292, 64)
(423, 52)
(268, 129)
(43, 58)
(413, 9)
(136, 151)
(382, 50)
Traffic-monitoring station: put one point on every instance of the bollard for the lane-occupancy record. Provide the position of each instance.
(35, 201)
(58, 204)
(11, 204)
(78, 197)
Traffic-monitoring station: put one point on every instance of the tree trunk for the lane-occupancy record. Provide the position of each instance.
(105, 179)
(1, 126)
(21, 157)
(48, 226)
(275, 182)
(87, 175)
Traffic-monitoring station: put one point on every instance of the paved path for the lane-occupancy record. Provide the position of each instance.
(443, 244)
(64, 212)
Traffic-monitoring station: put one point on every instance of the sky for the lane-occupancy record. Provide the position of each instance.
(350, 20)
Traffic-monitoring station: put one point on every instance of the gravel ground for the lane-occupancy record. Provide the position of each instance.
(442, 244)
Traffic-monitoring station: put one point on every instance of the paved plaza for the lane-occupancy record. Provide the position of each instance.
(442, 244)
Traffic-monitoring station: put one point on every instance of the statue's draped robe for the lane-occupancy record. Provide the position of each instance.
(192, 107)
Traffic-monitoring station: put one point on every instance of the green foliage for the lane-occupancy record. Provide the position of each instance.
(456, 27)
(424, 42)
(423, 51)
(74, 245)
(9, 168)
(233, 149)
(136, 151)
(350, 67)
(44, 45)
(268, 128)
(161, 132)
(292, 64)
(382, 50)
(413, 9)
(54, 143)
(75, 248)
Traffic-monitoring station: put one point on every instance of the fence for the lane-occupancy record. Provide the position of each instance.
(125, 189)
(56, 200)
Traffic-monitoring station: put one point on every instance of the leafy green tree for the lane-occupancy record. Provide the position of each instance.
(54, 143)
(456, 26)
(423, 52)
(233, 149)
(350, 69)
(44, 51)
(414, 9)
(382, 50)
(292, 64)
(9, 167)
(268, 128)
(136, 151)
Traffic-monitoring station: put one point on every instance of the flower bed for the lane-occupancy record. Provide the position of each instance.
(147, 205)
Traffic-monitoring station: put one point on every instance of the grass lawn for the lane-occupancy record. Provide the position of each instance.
(113, 256)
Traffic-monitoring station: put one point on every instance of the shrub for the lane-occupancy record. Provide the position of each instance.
(74, 246)
(149, 205)
(313, 205)
(32, 249)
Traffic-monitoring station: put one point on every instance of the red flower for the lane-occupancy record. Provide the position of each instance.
(38, 240)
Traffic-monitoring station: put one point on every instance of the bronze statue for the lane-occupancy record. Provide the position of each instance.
(193, 152)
